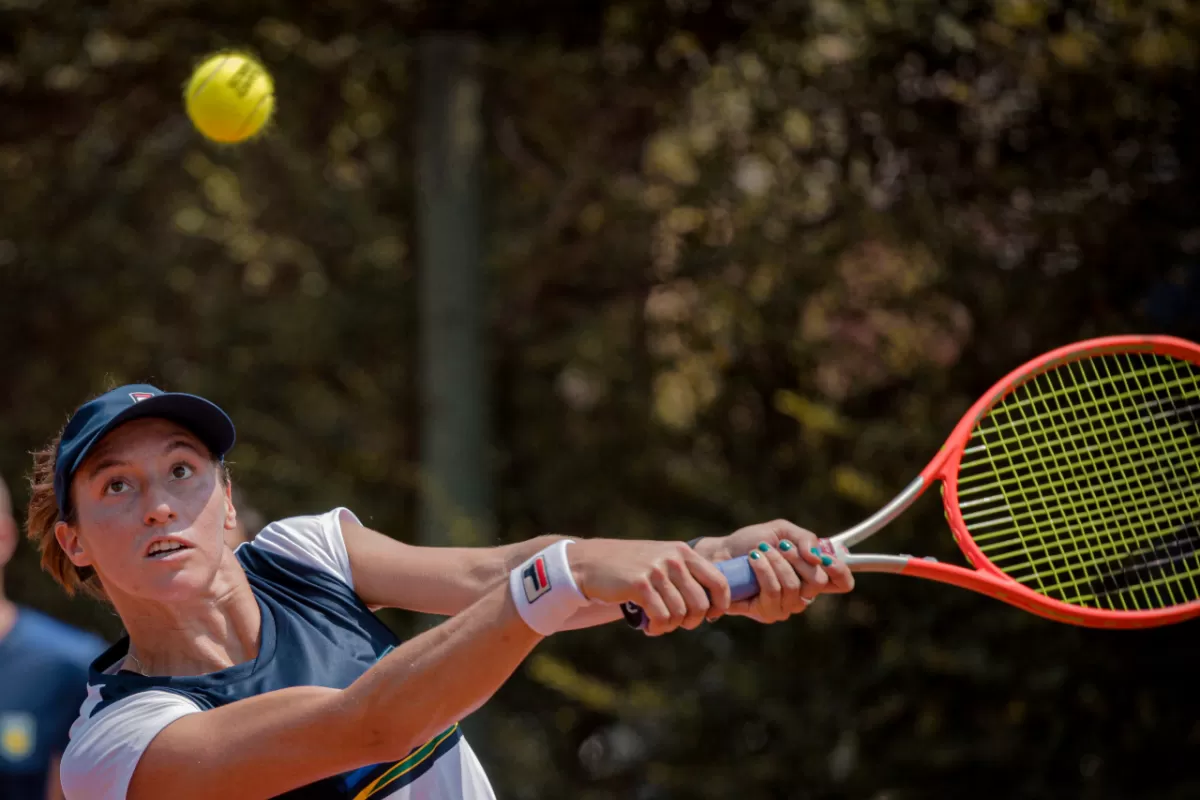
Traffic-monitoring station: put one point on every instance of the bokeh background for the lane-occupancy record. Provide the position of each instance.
(719, 262)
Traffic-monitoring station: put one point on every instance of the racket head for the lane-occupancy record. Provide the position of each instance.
(1073, 484)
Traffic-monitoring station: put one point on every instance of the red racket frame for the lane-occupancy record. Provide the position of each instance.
(986, 578)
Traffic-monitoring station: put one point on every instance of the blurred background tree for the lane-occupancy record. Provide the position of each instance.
(743, 260)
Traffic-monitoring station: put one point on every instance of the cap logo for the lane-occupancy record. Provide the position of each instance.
(140, 396)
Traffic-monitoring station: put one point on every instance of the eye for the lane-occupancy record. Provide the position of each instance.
(116, 486)
(181, 471)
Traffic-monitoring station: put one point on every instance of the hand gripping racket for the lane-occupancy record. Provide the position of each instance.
(1072, 487)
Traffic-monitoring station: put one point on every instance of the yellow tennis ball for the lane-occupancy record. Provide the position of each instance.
(230, 97)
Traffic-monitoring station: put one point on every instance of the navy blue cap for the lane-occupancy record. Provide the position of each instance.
(94, 419)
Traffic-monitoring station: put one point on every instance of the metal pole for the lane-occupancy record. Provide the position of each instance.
(456, 494)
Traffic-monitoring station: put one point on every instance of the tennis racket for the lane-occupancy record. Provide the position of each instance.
(1072, 487)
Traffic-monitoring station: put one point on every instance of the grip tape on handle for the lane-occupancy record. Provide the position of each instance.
(742, 586)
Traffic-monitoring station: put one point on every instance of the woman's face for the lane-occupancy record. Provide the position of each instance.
(150, 513)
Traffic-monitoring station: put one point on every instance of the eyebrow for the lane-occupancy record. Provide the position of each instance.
(109, 462)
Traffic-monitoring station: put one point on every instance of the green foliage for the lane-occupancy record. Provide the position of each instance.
(745, 261)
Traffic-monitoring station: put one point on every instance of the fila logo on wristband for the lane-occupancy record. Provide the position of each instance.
(544, 590)
(536, 581)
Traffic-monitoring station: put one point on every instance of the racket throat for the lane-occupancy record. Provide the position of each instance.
(878, 563)
(873, 523)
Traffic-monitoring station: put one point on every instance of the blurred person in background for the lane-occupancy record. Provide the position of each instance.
(264, 672)
(43, 682)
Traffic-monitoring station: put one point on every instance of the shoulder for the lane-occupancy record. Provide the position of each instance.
(313, 540)
(58, 640)
(108, 739)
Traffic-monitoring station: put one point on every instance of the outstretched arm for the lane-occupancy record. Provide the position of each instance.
(266, 745)
(433, 580)
(441, 580)
(269, 744)
(445, 580)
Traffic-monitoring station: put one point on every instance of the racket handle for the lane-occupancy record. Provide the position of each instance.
(737, 571)
(742, 582)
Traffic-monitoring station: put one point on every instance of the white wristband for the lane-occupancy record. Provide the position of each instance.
(544, 591)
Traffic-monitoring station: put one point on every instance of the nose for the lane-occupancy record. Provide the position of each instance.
(159, 510)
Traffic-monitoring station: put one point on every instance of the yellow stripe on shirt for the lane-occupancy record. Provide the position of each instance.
(402, 768)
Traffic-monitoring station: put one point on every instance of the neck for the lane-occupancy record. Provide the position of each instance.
(198, 636)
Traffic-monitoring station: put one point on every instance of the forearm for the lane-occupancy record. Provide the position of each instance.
(503, 559)
(593, 616)
(488, 567)
(443, 580)
(511, 555)
(442, 675)
(431, 580)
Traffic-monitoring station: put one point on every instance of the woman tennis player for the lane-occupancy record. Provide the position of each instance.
(264, 672)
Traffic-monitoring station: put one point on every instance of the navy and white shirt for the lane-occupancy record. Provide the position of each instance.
(315, 632)
(43, 679)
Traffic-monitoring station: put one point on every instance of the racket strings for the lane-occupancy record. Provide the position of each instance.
(1082, 483)
(1086, 557)
(1068, 435)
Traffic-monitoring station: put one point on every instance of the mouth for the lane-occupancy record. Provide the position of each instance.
(165, 548)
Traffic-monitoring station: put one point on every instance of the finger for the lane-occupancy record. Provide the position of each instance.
(802, 538)
(691, 591)
(712, 579)
(805, 547)
(812, 576)
(769, 588)
(841, 580)
(655, 609)
(789, 581)
(676, 605)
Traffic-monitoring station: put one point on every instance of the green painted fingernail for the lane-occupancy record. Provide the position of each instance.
(826, 560)
(754, 556)
(764, 547)
(785, 545)
(814, 551)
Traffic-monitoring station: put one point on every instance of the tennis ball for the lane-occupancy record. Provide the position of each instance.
(229, 97)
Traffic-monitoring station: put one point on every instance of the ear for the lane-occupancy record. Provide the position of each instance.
(8, 539)
(231, 522)
(71, 544)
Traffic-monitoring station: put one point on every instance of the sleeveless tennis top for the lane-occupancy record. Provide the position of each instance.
(315, 632)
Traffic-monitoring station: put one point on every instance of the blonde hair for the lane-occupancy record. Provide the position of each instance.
(42, 516)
